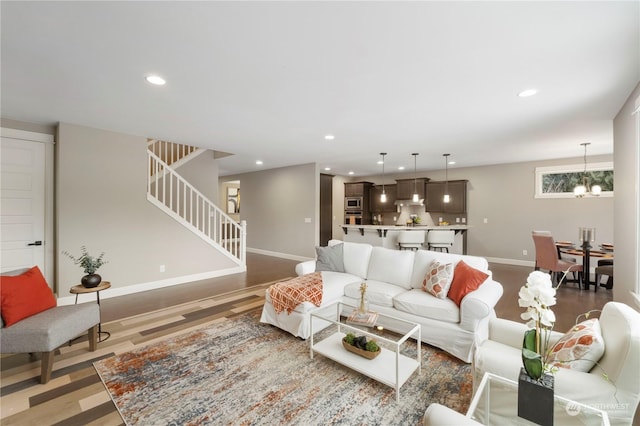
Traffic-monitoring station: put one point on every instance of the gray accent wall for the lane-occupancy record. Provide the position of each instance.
(626, 217)
(275, 204)
(101, 203)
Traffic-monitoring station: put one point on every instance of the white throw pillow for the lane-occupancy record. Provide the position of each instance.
(438, 279)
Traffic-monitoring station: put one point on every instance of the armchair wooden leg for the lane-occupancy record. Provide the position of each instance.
(47, 366)
(93, 338)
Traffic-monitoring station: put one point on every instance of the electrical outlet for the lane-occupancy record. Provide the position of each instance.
(162, 268)
(307, 220)
(464, 220)
(457, 220)
(486, 220)
(524, 252)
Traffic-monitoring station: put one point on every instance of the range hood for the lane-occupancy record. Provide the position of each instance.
(410, 202)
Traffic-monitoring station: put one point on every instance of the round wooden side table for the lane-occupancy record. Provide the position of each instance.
(80, 289)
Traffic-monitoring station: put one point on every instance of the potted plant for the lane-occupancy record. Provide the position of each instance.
(360, 345)
(535, 384)
(90, 264)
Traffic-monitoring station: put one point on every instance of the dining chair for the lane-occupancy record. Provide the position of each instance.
(605, 267)
(560, 256)
(547, 258)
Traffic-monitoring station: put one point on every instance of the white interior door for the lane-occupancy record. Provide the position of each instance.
(22, 204)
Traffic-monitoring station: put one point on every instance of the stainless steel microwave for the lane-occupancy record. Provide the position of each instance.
(353, 203)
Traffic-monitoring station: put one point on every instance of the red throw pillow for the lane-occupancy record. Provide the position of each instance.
(24, 295)
(465, 280)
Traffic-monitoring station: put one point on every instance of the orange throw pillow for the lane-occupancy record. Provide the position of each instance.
(465, 280)
(24, 295)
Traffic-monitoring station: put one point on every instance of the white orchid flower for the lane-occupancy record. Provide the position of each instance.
(547, 318)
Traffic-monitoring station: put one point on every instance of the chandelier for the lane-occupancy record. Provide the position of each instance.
(583, 188)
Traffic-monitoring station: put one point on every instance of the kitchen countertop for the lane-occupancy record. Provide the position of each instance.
(406, 228)
(387, 235)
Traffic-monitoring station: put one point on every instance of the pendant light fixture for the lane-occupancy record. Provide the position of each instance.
(416, 197)
(383, 196)
(446, 197)
(582, 189)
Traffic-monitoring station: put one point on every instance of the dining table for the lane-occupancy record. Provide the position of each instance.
(585, 251)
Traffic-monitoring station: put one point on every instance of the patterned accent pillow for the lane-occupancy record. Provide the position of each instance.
(438, 279)
(580, 348)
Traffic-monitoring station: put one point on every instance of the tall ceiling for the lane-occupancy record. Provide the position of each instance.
(268, 80)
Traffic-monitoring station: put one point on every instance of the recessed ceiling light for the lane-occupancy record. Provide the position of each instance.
(155, 79)
(326, 169)
(451, 162)
(380, 162)
(401, 168)
(259, 162)
(329, 137)
(527, 93)
(352, 173)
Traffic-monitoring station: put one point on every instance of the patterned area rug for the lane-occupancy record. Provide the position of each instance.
(243, 372)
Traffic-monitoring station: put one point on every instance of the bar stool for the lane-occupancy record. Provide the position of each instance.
(412, 240)
(440, 239)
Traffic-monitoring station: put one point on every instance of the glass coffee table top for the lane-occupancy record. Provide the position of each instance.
(496, 403)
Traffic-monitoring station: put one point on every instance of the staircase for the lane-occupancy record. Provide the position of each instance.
(172, 194)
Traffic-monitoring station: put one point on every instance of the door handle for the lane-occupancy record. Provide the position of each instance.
(35, 243)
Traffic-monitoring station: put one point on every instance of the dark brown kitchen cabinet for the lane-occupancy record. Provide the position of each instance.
(407, 187)
(378, 206)
(357, 189)
(457, 193)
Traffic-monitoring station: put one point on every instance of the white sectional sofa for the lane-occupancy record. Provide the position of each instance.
(394, 287)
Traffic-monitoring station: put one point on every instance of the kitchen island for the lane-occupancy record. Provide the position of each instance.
(387, 235)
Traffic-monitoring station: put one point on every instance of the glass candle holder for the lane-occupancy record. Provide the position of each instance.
(586, 234)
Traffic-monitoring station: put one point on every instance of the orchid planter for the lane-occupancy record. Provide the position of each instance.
(535, 398)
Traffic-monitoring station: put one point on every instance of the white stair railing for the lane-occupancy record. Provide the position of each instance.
(170, 152)
(179, 199)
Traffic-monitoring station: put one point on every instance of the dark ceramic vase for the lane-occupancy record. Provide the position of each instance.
(91, 280)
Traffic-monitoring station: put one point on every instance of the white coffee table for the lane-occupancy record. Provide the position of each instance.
(390, 367)
(496, 403)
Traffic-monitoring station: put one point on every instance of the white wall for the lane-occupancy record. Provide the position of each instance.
(101, 203)
(627, 162)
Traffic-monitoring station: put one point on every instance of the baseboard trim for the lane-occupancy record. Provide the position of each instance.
(152, 285)
(515, 262)
(278, 254)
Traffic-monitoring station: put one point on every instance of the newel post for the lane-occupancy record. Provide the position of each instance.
(243, 241)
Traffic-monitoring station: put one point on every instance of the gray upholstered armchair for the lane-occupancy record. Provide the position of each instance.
(47, 330)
